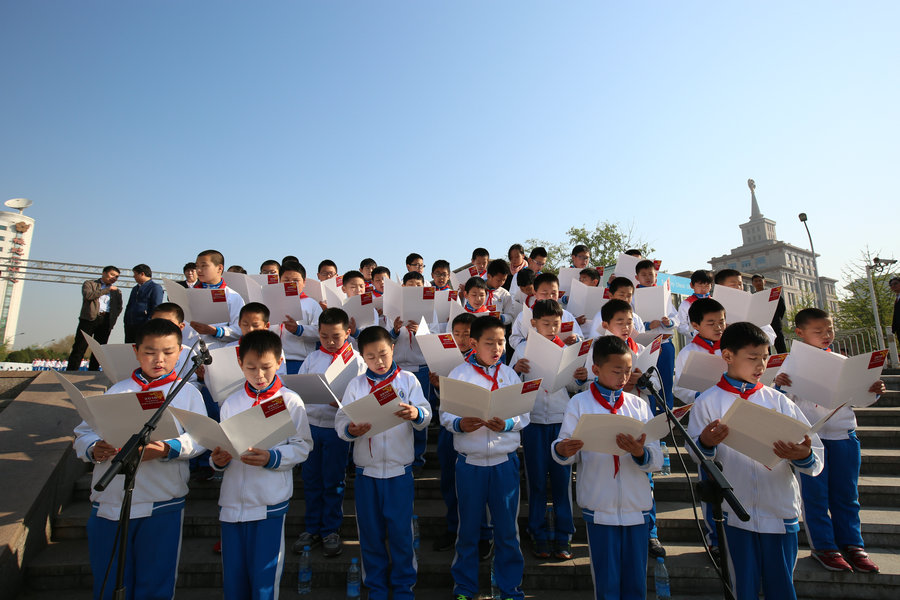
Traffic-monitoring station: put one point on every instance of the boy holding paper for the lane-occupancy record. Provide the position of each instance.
(379, 274)
(489, 467)
(480, 259)
(645, 272)
(831, 500)
(498, 296)
(732, 278)
(384, 480)
(257, 486)
(154, 537)
(707, 318)
(210, 265)
(620, 288)
(701, 284)
(254, 316)
(323, 472)
(546, 287)
(763, 550)
(301, 327)
(613, 491)
(543, 427)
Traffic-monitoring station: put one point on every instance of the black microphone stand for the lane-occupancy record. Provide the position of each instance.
(714, 489)
(127, 462)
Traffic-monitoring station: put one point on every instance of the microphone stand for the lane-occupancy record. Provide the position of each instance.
(714, 489)
(127, 462)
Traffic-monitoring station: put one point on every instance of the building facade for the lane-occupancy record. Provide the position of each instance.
(16, 231)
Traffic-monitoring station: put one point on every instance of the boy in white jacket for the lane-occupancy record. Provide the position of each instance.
(613, 491)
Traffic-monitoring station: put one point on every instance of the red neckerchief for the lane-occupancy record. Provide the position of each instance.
(334, 355)
(490, 298)
(441, 289)
(376, 385)
(376, 293)
(472, 360)
(468, 308)
(210, 286)
(556, 340)
(138, 377)
(827, 349)
(632, 345)
(264, 394)
(612, 408)
(527, 298)
(710, 347)
(723, 383)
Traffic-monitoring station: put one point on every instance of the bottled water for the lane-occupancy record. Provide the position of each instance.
(353, 579)
(667, 462)
(304, 577)
(661, 578)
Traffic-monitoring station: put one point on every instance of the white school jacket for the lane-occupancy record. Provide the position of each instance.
(297, 346)
(520, 329)
(684, 320)
(483, 447)
(549, 407)
(251, 493)
(503, 302)
(622, 499)
(230, 330)
(387, 454)
(772, 498)
(322, 415)
(838, 427)
(159, 482)
(597, 329)
(282, 368)
(684, 394)
(407, 353)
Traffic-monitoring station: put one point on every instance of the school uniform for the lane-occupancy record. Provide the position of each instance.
(543, 428)
(384, 486)
(831, 499)
(487, 473)
(226, 331)
(520, 329)
(324, 469)
(597, 329)
(157, 507)
(253, 501)
(408, 357)
(502, 300)
(298, 345)
(666, 362)
(614, 495)
(763, 550)
(684, 320)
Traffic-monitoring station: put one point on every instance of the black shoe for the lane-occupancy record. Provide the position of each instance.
(445, 541)
(656, 549)
(485, 549)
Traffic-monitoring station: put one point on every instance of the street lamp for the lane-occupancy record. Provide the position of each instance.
(877, 266)
(819, 295)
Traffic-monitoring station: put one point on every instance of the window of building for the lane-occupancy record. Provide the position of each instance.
(732, 265)
(760, 260)
(745, 264)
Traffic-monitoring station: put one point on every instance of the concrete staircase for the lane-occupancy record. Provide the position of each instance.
(62, 568)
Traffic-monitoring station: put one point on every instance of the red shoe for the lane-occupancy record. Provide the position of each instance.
(859, 558)
(831, 560)
(217, 547)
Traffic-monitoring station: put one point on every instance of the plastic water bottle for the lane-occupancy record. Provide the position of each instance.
(495, 591)
(667, 462)
(661, 578)
(550, 523)
(304, 577)
(353, 579)
(415, 525)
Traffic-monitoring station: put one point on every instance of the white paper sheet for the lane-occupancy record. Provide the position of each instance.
(361, 309)
(440, 352)
(598, 432)
(313, 289)
(586, 300)
(223, 376)
(117, 360)
(651, 302)
(377, 409)
(648, 356)
(282, 299)
(553, 365)
(469, 400)
(311, 387)
(701, 371)
(772, 368)
(116, 417)
(393, 305)
(202, 305)
(247, 288)
(566, 276)
(262, 426)
(646, 338)
(829, 379)
(443, 301)
(741, 306)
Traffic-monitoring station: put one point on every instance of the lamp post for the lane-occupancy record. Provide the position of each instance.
(820, 296)
(877, 266)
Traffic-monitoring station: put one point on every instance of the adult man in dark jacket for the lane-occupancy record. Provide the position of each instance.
(759, 284)
(100, 307)
(144, 297)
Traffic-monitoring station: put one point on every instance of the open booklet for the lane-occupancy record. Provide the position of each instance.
(701, 371)
(409, 303)
(202, 305)
(772, 366)
(648, 356)
(327, 387)
(651, 303)
(829, 379)
(625, 266)
(754, 429)
(262, 426)
(585, 300)
(466, 399)
(247, 287)
(551, 364)
(441, 353)
(361, 309)
(741, 306)
(443, 304)
(377, 409)
(117, 360)
(282, 300)
(223, 375)
(461, 276)
(566, 276)
(598, 431)
(116, 417)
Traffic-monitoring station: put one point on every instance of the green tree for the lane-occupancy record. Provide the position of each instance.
(855, 306)
(605, 241)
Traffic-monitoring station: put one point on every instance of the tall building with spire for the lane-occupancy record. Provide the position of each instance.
(16, 231)
(779, 262)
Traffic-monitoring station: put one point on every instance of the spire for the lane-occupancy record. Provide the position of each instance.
(754, 207)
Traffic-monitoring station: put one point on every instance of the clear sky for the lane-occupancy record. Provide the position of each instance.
(146, 131)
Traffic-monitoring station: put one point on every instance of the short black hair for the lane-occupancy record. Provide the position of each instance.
(215, 257)
(525, 277)
(290, 258)
(169, 308)
(606, 346)
(352, 275)
(498, 266)
(701, 276)
(109, 268)
(579, 249)
(742, 334)
(478, 252)
(440, 264)
(633, 252)
(157, 328)
(143, 270)
(592, 273)
(476, 282)
(326, 263)
(371, 335)
(413, 275)
(292, 266)
(483, 324)
(189, 266)
(381, 269)
(727, 274)
(803, 317)
(270, 263)
(538, 251)
(702, 307)
(518, 248)
(546, 308)
(612, 308)
(757, 276)
(414, 256)
(334, 316)
(618, 283)
(261, 341)
(367, 262)
(255, 308)
(463, 318)
(545, 278)
(644, 264)
(237, 269)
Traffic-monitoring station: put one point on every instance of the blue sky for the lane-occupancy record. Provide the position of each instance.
(146, 131)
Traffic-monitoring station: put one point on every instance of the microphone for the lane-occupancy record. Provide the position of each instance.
(644, 380)
(203, 353)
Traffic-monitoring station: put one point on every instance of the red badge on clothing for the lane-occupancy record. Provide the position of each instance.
(775, 293)
(151, 400)
(366, 298)
(428, 293)
(384, 395)
(878, 359)
(290, 289)
(585, 347)
(447, 340)
(272, 407)
(530, 386)
(217, 295)
(566, 327)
